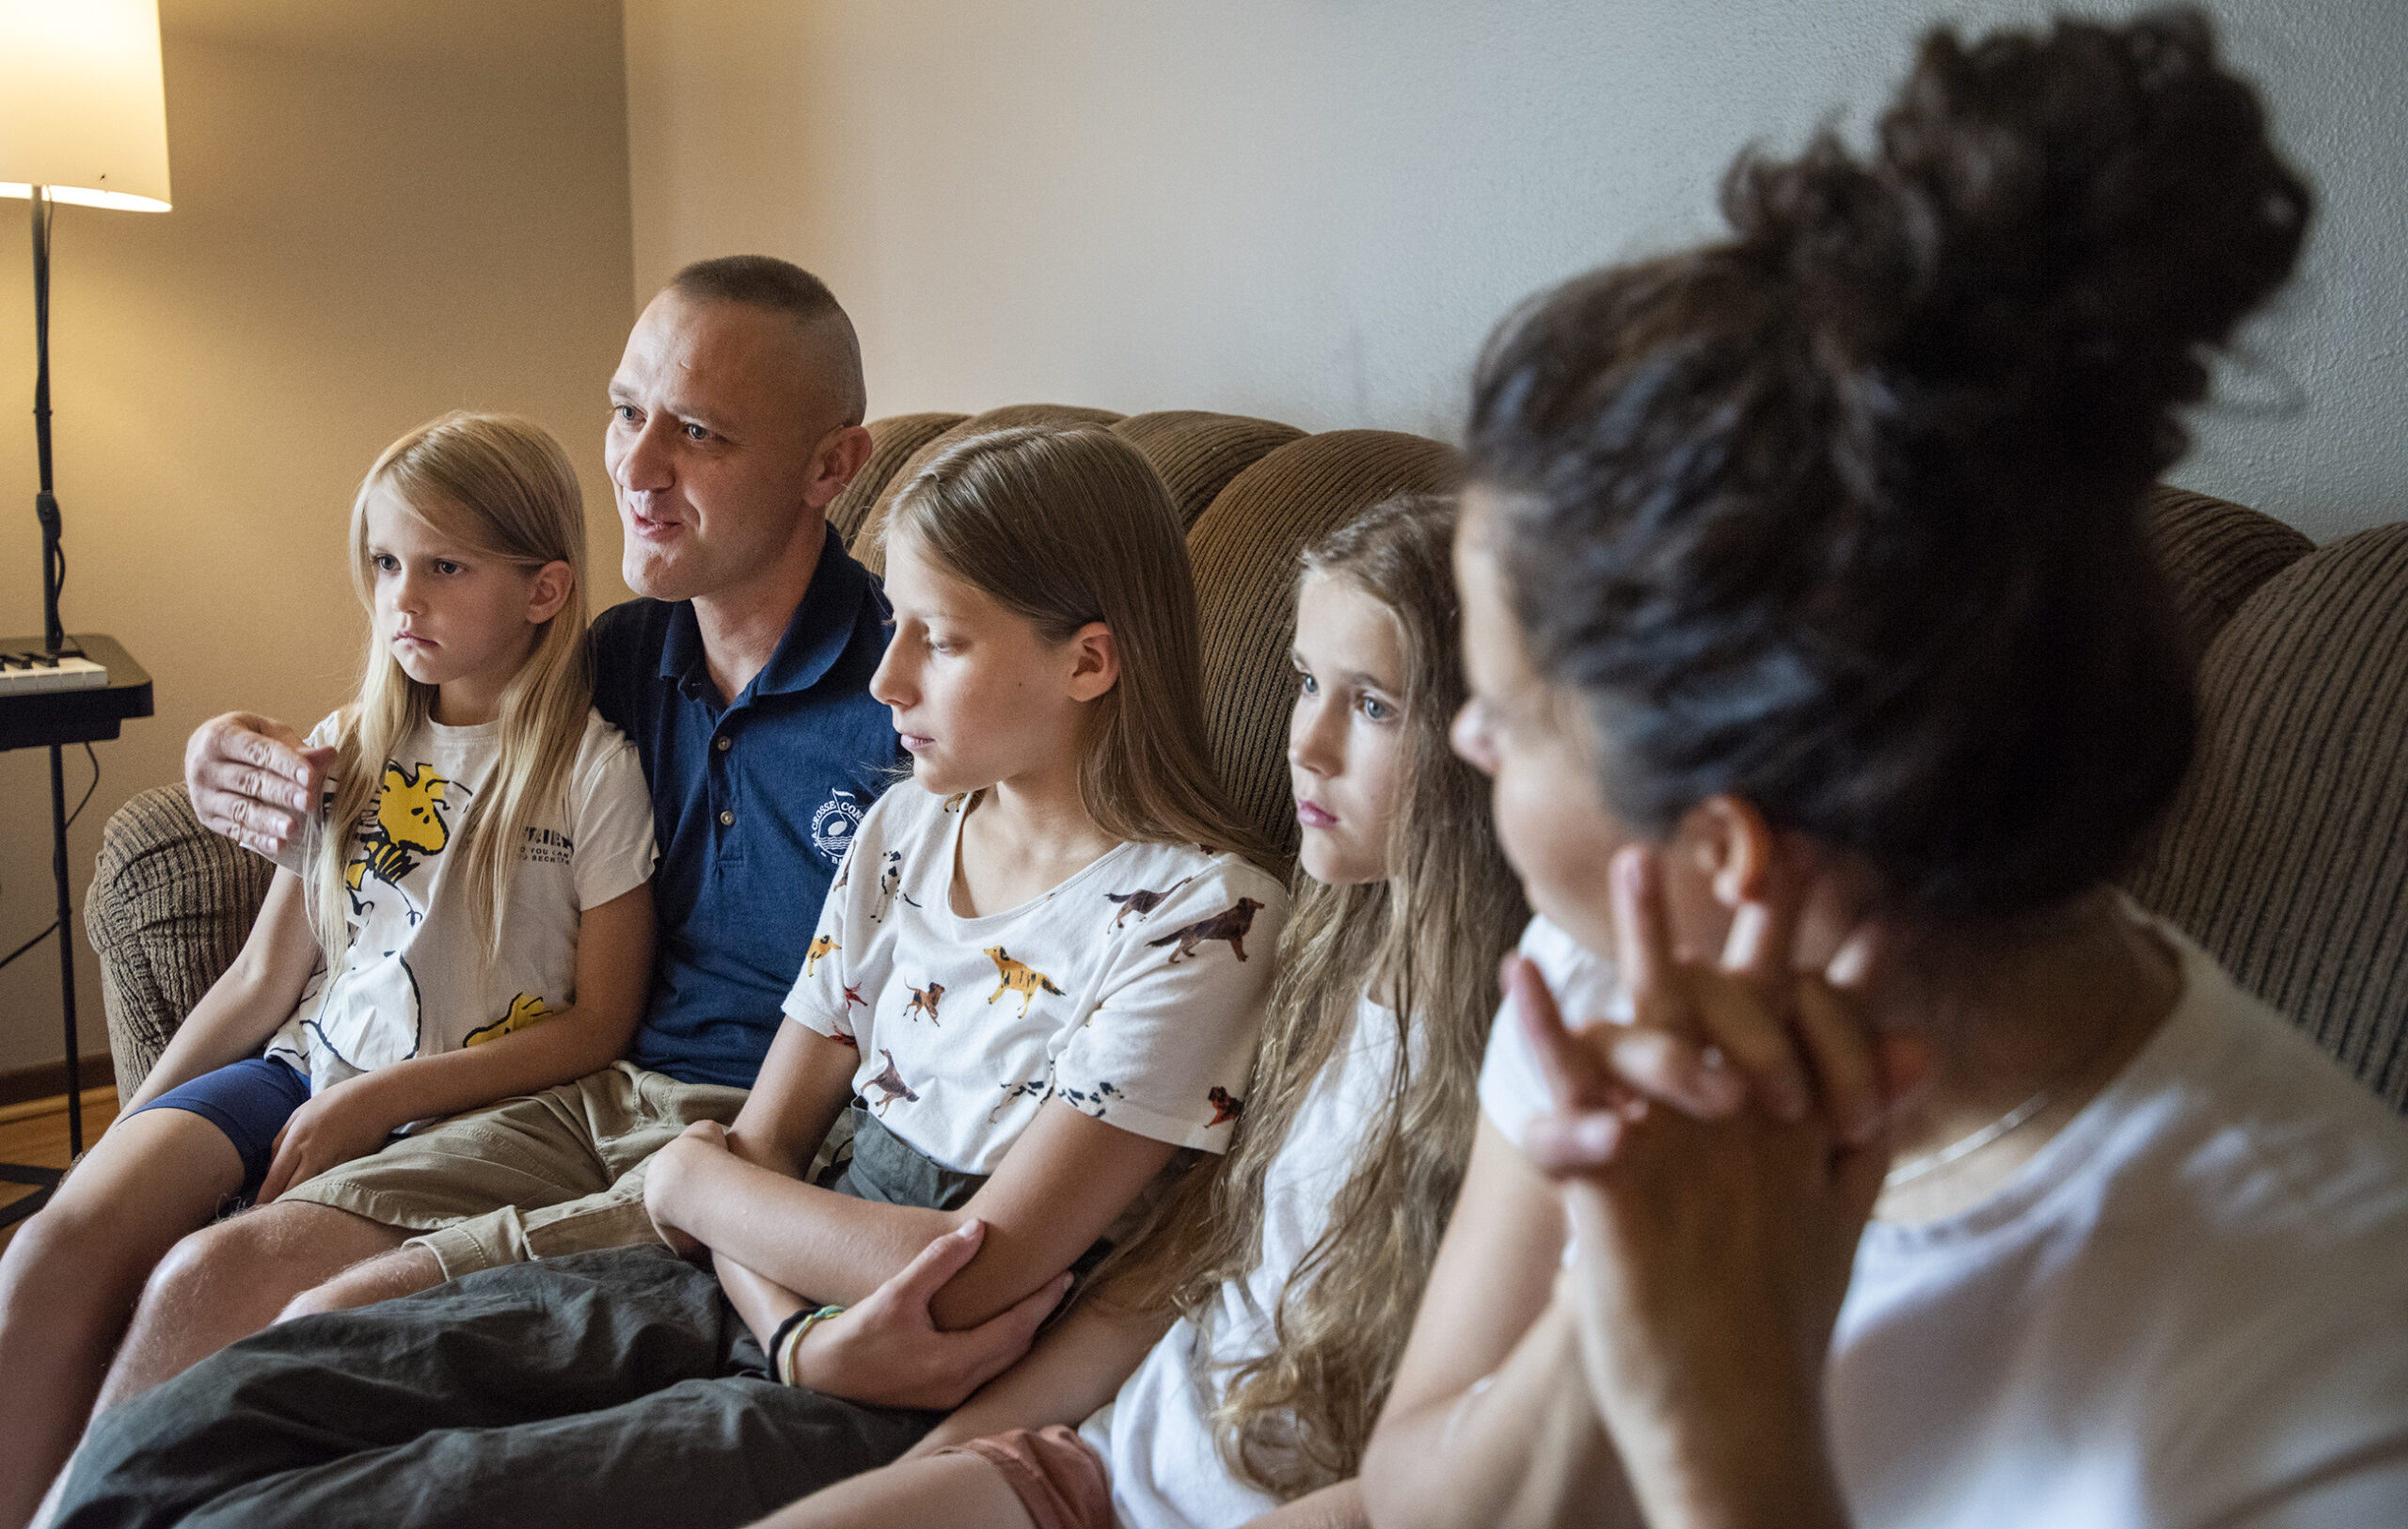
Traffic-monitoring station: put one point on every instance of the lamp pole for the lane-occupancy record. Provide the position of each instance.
(54, 574)
(46, 502)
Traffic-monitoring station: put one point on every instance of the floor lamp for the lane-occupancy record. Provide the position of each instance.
(84, 122)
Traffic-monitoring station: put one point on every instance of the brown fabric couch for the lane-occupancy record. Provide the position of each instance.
(2287, 853)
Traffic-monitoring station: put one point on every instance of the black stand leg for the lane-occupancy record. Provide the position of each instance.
(65, 952)
(52, 572)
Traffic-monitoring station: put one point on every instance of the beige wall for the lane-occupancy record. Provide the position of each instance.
(1314, 209)
(382, 212)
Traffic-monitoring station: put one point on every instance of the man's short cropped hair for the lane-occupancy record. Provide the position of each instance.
(781, 287)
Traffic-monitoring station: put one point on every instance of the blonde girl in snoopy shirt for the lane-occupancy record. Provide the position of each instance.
(480, 927)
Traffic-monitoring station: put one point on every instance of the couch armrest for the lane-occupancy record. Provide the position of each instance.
(169, 907)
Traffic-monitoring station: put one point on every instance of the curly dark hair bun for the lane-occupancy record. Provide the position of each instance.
(2058, 222)
(1841, 515)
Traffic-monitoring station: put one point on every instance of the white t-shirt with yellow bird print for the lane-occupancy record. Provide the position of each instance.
(414, 982)
(1132, 991)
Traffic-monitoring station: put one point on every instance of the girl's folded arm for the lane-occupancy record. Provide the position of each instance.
(614, 971)
(246, 1005)
(1073, 1371)
(1066, 1180)
(1491, 1421)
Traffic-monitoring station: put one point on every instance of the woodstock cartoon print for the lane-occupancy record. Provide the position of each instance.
(408, 822)
(525, 1009)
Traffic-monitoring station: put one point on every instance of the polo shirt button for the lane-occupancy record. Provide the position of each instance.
(727, 820)
(725, 744)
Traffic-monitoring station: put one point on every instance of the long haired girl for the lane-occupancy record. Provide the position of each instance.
(474, 921)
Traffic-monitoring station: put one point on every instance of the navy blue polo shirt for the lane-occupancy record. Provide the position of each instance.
(754, 803)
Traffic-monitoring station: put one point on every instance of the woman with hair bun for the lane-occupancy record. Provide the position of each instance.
(1827, 683)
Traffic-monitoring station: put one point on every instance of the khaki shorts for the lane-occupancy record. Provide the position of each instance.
(559, 1172)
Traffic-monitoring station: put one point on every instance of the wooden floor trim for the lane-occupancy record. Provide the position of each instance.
(49, 1080)
(26, 1109)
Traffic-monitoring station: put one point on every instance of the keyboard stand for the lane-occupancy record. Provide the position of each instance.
(56, 718)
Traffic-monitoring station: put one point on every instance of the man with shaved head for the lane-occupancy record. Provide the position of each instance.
(741, 674)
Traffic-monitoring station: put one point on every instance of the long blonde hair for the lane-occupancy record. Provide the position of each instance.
(1064, 527)
(1426, 942)
(503, 487)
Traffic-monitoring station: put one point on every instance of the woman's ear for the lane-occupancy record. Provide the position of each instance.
(1095, 662)
(553, 584)
(1732, 846)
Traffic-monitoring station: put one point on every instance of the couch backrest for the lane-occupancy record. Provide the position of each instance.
(2287, 851)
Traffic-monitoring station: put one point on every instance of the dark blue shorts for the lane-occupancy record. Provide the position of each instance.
(249, 1101)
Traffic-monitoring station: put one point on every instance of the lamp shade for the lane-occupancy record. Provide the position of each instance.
(81, 107)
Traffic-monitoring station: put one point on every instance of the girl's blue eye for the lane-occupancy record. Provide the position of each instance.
(1376, 710)
(1309, 685)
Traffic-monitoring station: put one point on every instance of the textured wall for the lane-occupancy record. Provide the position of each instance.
(1314, 209)
(382, 212)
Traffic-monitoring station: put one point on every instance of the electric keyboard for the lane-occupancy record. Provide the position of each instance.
(27, 673)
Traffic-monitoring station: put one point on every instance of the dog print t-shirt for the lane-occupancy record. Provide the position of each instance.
(1132, 991)
(414, 982)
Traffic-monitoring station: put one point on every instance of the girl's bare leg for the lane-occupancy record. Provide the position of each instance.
(70, 1276)
(961, 1491)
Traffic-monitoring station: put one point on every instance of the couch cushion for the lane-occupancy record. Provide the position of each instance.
(2215, 554)
(1243, 548)
(2286, 850)
(893, 440)
(169, 909)
(1198, 452)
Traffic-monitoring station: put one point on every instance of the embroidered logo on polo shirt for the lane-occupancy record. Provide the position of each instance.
(833, 825)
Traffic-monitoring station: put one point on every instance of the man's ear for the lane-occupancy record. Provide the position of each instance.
(842, 454)
(1733, 845)
(555, 581)
(1095, 662)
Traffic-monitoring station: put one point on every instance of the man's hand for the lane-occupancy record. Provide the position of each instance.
(328, 1131)
(888, 1352)
(252, 780)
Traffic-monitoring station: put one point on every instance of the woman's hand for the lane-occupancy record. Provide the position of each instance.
(889, 1352)
(331, 1129)
(1713, 1256)
(1707, 1037)
(662, 1175)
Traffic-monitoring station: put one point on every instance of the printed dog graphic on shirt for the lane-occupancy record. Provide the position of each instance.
(1225, 1105)
(525, 1009)
(890, 884)
(821, 944)
(924, 1000)
(1229, 924)
(1141, 901)
(1016, 976)
(408, 822)
(890, 1084)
